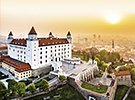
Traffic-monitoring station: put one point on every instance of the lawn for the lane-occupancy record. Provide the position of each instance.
(99, 89)
(120, 92)
(65, 92)
(131, 95)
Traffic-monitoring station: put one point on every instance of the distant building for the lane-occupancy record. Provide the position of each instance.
(36, 52)
(113, 47)
(123, 78)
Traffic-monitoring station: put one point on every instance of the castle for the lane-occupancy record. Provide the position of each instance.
(28, 54)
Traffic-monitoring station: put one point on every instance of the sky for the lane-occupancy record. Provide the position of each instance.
(83, 17)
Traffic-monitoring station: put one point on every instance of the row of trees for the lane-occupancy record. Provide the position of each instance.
(18, 89)
(102, 57)
(93, 53)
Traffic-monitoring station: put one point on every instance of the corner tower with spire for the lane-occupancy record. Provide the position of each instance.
(32, 34)
(10, 37)
(69, 38)
(32, 48)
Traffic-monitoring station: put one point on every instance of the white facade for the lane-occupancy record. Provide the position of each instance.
(39, 52)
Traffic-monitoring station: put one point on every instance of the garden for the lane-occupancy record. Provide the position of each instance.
(98, 89)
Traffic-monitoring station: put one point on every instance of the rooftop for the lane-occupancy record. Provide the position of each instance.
(42, 41)
(18, 65)
(32, 31)
(122, 73)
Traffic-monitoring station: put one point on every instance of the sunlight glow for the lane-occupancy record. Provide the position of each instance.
(113, 18)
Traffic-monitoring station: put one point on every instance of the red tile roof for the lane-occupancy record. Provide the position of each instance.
(18, 65)
(122, 73)
(3, 47)
(21, 42)
(32, 31)
(2, 57)
(42, 41)
(51, 41)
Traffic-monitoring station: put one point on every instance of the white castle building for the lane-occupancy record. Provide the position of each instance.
(38, 52)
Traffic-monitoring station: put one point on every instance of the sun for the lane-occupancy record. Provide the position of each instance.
(113, 18)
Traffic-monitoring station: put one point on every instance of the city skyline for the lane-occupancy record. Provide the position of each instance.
(79, 17)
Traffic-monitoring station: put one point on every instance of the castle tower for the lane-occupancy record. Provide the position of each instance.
(32, 49)
(51, 35)
(32, 34)
(10, 37)
(69, 38)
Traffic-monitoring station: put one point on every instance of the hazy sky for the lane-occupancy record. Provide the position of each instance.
(60, 16)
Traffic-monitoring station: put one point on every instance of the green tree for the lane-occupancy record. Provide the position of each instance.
(2, 86)
(21, 89)
(103, 55)
(128, 67)
(114, 56)
(31, 88)
(4, 93)
(133, 74)
(109, 69)
(12, 87)
(43, 84)
(93, 52)
(98, 61)
(103, 66)
(62, 77)
(133, 71)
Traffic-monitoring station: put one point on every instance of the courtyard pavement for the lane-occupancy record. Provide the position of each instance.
(103, 80)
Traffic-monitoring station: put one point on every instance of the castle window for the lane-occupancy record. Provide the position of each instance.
(46, 47)
(13, 49)
(51, 47)
(34, 59)
(40, 52)
(46, 52)
(24, 52)
(45, 60)
(46, 56)
(40, 57)
(34, 49)
(51, 50)
(40, 48)
(40, 62)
